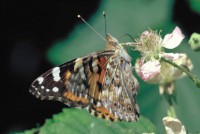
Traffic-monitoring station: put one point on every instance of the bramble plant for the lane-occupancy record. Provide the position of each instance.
(158, 67)
(154, 65)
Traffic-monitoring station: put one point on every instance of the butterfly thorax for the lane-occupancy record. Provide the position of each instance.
(113, 44)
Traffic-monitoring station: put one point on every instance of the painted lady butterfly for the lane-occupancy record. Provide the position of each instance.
(101, 82)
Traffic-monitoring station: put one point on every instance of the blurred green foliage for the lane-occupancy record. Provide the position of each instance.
(132, 17)
(195, 5)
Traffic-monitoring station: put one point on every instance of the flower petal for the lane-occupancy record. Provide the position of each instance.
(173, 126)
(170, 56)
(172, 40)
(145, 34)
(149, 70)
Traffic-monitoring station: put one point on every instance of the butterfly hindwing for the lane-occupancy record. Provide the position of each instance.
(119, 90)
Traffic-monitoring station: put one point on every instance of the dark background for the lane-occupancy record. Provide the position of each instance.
(28, 28)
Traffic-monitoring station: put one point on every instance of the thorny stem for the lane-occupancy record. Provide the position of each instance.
(185, 70)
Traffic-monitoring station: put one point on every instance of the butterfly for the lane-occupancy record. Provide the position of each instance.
(101, 82)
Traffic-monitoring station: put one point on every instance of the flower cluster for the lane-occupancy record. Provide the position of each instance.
(152, 67)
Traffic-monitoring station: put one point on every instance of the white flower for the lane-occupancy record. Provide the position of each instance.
(156, 71)
(152, 68)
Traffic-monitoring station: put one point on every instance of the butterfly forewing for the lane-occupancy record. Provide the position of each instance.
(73, 83)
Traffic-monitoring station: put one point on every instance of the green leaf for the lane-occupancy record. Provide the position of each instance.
(195, 5)
(76, 121)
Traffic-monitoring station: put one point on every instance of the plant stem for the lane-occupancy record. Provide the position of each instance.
(171, 112)
(185, 70)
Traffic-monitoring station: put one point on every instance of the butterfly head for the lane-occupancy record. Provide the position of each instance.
(112, 43)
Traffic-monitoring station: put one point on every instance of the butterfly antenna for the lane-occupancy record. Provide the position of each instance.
(91, 27)
(127, 35)
(104, 15)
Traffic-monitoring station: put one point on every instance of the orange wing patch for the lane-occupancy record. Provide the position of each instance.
(103, 112)
(94, 89)
(68, 75)
(96, 79)
(70, 96)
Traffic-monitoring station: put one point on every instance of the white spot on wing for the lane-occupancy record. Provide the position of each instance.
(81, 69)
(42, 87)
(56, 73)
(98, 104)
(91, 100)
(47, 90)
(92, 112)
(94, 63)
(82, 87)
(95, 69)
(87, 108)
(55, 89)
(119, 91)
(86, 96)
(40, 80)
